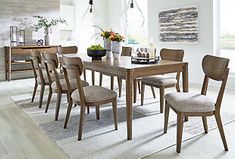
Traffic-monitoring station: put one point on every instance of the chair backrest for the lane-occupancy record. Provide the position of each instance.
(126, 51)
(51, 63)
(67, 50)
(172, 54)
(215, 68)
(36, 60)
(73, 68)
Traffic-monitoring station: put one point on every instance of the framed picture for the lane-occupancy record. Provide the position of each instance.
(179, 25)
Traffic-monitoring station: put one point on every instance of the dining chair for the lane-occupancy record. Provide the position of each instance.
(39, 75)
(163, 81)
(59, 85)
(86, 96)
(192, 104)
(62, 50)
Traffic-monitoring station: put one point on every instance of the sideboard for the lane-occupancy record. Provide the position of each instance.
(17, 58)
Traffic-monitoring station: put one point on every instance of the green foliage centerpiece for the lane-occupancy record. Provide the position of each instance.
(96, 52)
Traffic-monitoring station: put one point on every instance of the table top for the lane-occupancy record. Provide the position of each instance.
(123, 62)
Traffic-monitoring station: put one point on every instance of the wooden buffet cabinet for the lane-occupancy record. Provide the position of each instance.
(17, 58)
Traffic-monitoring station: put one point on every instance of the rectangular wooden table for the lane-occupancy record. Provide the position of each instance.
(125, 69)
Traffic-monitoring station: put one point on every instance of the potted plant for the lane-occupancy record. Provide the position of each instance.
(116, 46)
(47, 24)
(105, 35)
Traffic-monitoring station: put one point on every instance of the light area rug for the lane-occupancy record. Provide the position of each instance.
(101, 141)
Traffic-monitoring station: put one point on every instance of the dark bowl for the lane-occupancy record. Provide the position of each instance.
(96, 54)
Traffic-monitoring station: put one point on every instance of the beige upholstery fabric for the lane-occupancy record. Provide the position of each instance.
(94, 94)
(159, 80)
(73, 84)
(189, 102)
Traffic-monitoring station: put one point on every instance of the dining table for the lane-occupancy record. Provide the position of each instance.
(124, 68)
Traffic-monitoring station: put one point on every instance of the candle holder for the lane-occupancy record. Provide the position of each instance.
(22, 37)
(13, 35)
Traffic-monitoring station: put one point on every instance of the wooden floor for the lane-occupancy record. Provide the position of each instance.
(20, 138)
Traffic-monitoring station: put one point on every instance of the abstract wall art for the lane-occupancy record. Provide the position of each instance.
(179, 25)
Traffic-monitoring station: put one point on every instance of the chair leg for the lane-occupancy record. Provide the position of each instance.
(142, 93)
(204, 120)
(119, 86)
(112, 82)
(135, 90)
(153, 92)
(115, 114)
(179, 131)
(221, 130)
(57, 109)
(93, 77)
(166, 117)
(68, 114)
(139, 86)
(48, 99)
(81, 121)
(84, 74)
(41, 95)
(101, 79)
(34, 91)
(97, 109)
(162, 92)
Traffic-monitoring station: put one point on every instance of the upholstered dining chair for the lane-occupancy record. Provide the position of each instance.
(58, 85)
(86, 96)
(163, 81)
(62, 50)
(192, 104)
(39, 75)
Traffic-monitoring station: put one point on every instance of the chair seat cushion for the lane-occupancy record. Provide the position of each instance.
(73, 84)
(94, 94)
(159, 80)
(190, 102)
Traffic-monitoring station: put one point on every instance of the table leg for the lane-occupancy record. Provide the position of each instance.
(93, 77)
(129, 103)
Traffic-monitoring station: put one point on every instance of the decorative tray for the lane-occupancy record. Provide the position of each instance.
(144, 60)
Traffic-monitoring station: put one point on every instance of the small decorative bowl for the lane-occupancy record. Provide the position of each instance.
(96, 54)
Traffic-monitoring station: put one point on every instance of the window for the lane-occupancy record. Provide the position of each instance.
(136, 22)
(227, 31)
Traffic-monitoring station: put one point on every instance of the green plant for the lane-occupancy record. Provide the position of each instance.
(95, 47)
(116, 37)
(44, 23)
(104, 34)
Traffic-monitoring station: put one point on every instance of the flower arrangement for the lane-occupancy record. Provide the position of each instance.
(116, 37)
(45, 23)
(111, 35)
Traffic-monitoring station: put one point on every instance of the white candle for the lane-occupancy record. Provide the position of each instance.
(21, 40)
(14, 37)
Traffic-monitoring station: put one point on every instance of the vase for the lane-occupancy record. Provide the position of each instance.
(116, 49)
(47, 32)
(107, 46)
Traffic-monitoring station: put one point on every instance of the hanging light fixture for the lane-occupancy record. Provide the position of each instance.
(91, 5)
(132, 4)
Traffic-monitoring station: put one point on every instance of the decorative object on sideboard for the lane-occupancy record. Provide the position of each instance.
(47, 24)
(179, 25)
(22, 37)
(39, 42)
(13, 35)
